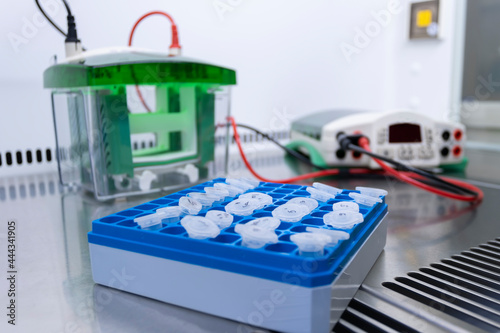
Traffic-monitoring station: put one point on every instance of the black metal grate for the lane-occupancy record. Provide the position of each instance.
(465, 286)
(360, 317)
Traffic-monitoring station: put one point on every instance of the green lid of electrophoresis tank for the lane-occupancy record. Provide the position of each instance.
(133, 66)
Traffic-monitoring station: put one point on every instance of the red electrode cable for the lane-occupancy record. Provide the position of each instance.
(408, 177)
(174, 49)
(311, 175)
(175, 46)
(411, 178)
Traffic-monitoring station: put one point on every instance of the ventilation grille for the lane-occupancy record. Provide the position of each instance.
(465, 286)
(360, 317)
(38, 156)
(29, 156)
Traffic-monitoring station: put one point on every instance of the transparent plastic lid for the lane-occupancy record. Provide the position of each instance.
(149, 221)
(335, 235)
(233, 190)
(218, 192)
(204, 198)
(253, 182)
(311, 204)
(172, 211)
(255, 237)
(262, 198)
(190, 205)
(240, 184)
(200, 227)
(320, 195)
(370, 191)
(242, 207)
(343, 219)
(310, 243)
(222, 219)
(170, 214)
(327, 188)
(269, 223)
(346, 205)
(290, 212)
(364, 199)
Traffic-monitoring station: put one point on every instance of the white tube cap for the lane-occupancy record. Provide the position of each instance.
(149, 221)
(311, 204)
(255, 237)
(222, 219)
(233, 190)
(320, 195)
(218, 192)
(205, 199)
(239, 183)
(343, 219)
(372, 192)
(242, 207)
(200, 227)
(253, 182)
(335, 235)
(190, 205)
(268, 222)
(327, 188)
(310, 243)
(346, 205)
(263, 199)
(290, 212)
(170, 214)
(364, 199)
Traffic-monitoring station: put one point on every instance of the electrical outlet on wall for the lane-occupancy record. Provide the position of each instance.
(424, 20)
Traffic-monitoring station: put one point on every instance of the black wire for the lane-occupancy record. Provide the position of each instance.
(430, 179)
(435, 180)
(68, 10)
(50, 20)
(399, 165)
(292, 152)
(446, 187)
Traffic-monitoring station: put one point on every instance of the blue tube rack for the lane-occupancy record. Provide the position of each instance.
(274, 264)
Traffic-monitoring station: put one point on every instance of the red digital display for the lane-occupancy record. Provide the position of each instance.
(404, 133)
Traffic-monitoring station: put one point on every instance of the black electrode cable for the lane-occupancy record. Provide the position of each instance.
(71, 34)
(68, 10)
(292, 152)
(50, 20)
(346, 142)
(402, 167)
(408, 177)
(430, 178)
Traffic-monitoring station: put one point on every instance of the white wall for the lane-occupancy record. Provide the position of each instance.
(287, 54)
(427, 74)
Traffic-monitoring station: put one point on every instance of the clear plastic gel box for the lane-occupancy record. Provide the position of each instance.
(246, 237)
(100, 127)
